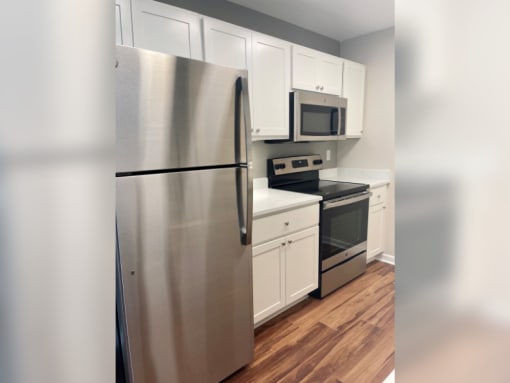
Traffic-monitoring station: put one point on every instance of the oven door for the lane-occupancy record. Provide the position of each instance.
(344, 224)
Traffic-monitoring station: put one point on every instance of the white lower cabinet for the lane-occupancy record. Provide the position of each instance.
(268, 286)
(301, 264)
(376, 222)
(285, 269)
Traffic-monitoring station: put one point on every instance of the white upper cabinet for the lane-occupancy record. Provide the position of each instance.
(270, 87)
(304, 68)
(163, 28)
(330, 74)
(354, 91)
(226, 44)
(316, 71)
(123, 30)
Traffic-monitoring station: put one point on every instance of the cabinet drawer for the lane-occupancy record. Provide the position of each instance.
(378, 195)
(277, 225)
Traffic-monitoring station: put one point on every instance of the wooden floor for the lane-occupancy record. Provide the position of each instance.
(346, 337)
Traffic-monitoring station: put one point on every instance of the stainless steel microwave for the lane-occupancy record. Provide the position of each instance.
(317, 116)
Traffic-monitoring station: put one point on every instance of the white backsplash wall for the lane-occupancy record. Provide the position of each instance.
(262, 151)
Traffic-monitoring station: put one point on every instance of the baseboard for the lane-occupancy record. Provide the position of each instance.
(386, 258)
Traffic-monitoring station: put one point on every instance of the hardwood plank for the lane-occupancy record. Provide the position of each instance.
(347, 337)
(323, 307)
(287, 358)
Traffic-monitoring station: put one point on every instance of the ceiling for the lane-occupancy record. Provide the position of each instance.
(338, 19)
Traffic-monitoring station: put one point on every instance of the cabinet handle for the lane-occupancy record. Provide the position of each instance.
(322, 87)
(287, 223)
(318, 87)
(289, 241)
(258, 130)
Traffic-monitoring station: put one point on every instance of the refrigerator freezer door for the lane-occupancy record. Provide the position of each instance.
(174, 113)
(185, 275)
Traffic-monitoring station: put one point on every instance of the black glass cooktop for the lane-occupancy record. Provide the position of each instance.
(326, 189)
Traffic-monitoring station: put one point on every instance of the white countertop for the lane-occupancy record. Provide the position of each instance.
(268, 201)
(372, 177)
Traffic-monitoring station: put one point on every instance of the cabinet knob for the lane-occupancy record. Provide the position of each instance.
(322, 87)
(258, 130)
(318, 87)
(384, 207)
(287, 223)
(289, 241)
(378, 196)
(283, 243)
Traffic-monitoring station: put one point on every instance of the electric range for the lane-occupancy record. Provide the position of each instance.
(343, 218)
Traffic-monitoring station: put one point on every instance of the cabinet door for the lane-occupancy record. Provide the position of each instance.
(123, 26)
(268, 284)
(226, 44)
(375, 234)
(270, 87)
(163, 28)
(330, 74)
(301, 264)
(304, 69)
(354, 91)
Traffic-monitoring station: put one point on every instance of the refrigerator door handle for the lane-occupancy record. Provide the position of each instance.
(244, 187)
(244, 203)
(242, 122)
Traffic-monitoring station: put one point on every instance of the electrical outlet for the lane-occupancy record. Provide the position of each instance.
(328, 155)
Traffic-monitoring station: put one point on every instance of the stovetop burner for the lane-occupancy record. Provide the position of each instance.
(301, 174)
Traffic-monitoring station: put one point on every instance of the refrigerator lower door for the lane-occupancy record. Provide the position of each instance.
(185, 275)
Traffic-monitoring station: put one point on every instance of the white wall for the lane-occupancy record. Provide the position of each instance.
(376, 149)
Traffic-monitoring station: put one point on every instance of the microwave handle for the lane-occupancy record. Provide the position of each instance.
(342, 121)
(334, 131)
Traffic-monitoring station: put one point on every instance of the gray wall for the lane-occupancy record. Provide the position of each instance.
(260, 22)
(261, 152)
(376, 149)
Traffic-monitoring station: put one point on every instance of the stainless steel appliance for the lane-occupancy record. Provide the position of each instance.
(317, 116)
(343, 218)
(184, 212)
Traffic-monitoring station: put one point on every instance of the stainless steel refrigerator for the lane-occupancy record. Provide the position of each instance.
(184, 211)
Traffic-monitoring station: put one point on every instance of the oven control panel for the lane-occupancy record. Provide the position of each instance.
(288, 165)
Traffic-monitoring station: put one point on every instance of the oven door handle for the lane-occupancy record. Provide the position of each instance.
(347, 200)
